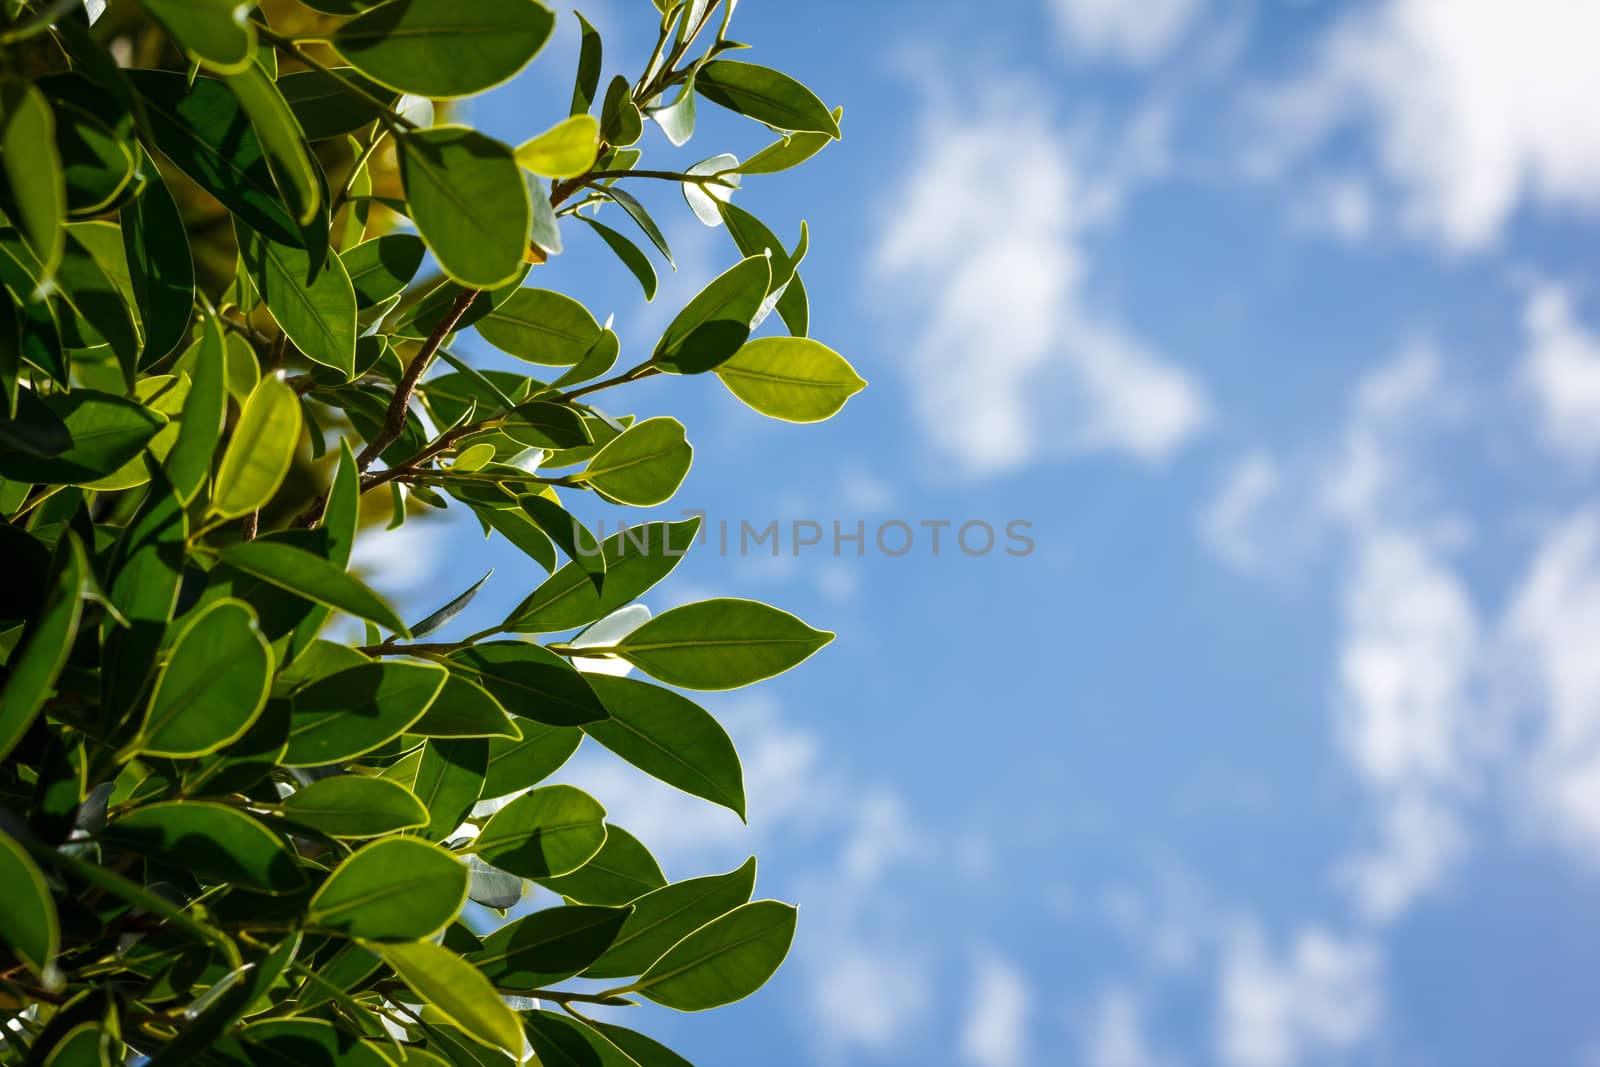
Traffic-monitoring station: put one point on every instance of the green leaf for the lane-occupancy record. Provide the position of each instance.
(218, 844)
(206, 134)
(216, 32)
(548, 946)
(666, 916)
(319, 316)
(160, 268)
(396, 889)
(587, 81)
(531, 681)
(383, 267)
(559, 1041)
(565, 530)
(543, 424)
(636, 261)
(515, 765)
(787, 153)
(565, 150)
(324, 105)
(106, 432)
(671, 738)
(724, 961)
(644, 1051)
(636, 558)
(358, 709)
(350, 805)
(146, 569)
(677, 118)
(312, 577)
(622, 871)
(261, 451)
(280, 134)
(466, 194)
(716, 322)
(791, 378)
(213, 686)
(636, 211)
(644, 465)
(97, 163)
(443, 49)
(32, 169)
(720, 644)
(549, 832)
(102, 310)
(765, 95)
(28, 921)
(620, 122)
(465, 709)
(34, 668)
(204, 410)
(303, 1042)
(449, 781)
(542, 327)
(458, 990)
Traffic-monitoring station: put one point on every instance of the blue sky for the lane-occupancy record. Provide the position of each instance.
(1277, 323)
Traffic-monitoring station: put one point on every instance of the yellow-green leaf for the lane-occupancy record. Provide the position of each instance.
(261, 451)
(565, 150)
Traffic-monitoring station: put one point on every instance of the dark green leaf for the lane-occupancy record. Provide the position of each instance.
(622, 871)
(458, 990)
(644, 1051)
(442, 49)
(587, 81)
(565, 530)
(765, 95)
(530, 681)
(319, 316)
(669, 737)
(28, 921)
(206, 134)
(32, 671)
(282, 138)
(213, 686)
(664, 917)
(644, 465)
(312, 577)
(350, 805)
(396, 889)
(106, 431)
(635, 260)
(717, 321)
(32, 169)
(515, 765)
(358, 709)
(449, 780)
(636, 211)
(466, 194)
(324, 105)
(465, 709)
(636, 558)
(96, 162)
(217, 843)
(383, 267)
(549, 832)
(620, 122)
(720, 644)
(724, 961)
(159, 267)
(305, 1043)
(548, 946)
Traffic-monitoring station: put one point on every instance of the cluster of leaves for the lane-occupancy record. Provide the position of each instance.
(224, 837)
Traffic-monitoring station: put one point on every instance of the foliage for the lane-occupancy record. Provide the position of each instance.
(225, 836)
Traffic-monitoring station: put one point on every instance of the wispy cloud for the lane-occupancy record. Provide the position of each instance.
(1136, 34)
(1008, 360)
(995, 1033)
(1477, 108)
(1561, 367)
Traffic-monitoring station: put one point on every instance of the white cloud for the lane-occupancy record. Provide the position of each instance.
(869, 1000)
(1007, 361)
(1116, 1033)
(995, 1033)
(1324, 994)
(1553, 629)
(1407, 661)
(1231, 525)
(1340, 207)
(1479, 106)
(1421, 841)
(1133, 33)
(1561, 366)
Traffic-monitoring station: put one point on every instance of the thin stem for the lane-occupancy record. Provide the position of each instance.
(643, 370)
(394, 422)
(661, 175)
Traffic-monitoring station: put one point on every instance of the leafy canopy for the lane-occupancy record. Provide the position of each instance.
(238, 247)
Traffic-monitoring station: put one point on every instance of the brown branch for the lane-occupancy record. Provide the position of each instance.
(394, 422)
